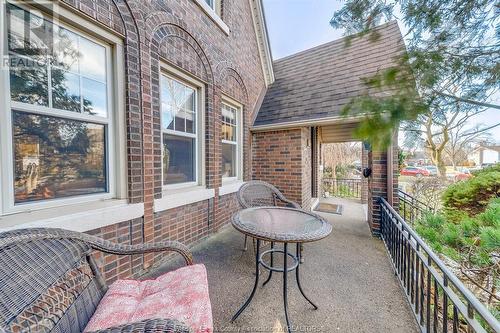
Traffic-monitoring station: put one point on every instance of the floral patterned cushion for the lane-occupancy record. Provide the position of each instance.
(180, 295)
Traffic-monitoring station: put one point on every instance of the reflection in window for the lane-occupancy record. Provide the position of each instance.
(74, 62)
(210, 3)
(55, 74)
(178, 159)
(57, 158)
(229, 140)
(178, 107)
(229, 160)
(28, 80)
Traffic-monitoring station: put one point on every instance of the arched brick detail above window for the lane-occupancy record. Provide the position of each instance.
(175, 45)
(231, 83)
(178, 47)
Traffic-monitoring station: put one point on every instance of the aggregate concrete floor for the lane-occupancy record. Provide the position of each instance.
(348, 275)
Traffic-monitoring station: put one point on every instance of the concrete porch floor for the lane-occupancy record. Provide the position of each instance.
(348, 275)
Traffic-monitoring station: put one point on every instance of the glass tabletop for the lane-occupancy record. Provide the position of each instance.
(281, 224)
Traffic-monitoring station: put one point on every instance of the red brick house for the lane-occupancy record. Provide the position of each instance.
(138, 120)
(302, 109)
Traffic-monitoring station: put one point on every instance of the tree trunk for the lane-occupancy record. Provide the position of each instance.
(437, 160)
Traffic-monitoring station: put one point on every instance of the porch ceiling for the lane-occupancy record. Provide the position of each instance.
(337, 133)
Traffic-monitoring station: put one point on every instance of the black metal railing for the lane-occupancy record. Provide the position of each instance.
(440, 301)
(342, 187)
(410, 208)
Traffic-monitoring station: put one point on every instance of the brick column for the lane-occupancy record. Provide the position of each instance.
(377, 187)
(378, 183)
(364, 181)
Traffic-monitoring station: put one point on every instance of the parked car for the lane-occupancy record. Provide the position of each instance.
(433, 170)
(414, 171)
(462, 174)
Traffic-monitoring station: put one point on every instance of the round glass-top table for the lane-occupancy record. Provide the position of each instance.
(279, 225)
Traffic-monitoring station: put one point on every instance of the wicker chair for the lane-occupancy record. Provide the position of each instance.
(257, 193)
(49, 281)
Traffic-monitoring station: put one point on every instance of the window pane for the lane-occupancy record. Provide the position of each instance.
(65, 51)
(94, 97)
(228, 114)
(228, 160)
(210, 3)
(92, 60)
(57, 158)
(28, 34)
(179, 159)
(189, 99)
(180, 124)
(167, 116)
(190, 122)
(28, 81)
(178, 103)
(65, 90)
(78, 65)
(228, 123)
(228, 132)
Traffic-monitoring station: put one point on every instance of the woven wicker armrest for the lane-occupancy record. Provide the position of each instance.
(150, 326)
(26, 235)
(289, 203)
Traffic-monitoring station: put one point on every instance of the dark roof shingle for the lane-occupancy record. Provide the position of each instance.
(318, 82)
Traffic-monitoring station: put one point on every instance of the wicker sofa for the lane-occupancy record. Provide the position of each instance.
(49, 282)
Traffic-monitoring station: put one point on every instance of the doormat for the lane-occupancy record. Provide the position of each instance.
(329, 208)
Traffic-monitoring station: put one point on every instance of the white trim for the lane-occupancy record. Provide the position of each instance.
(301, 123)
(77, 217)
(199, 119)
(182, 197)
(120, 114)
(259, 23)
(230, 187)
(212, 13)
(239, 138)
(116, 159)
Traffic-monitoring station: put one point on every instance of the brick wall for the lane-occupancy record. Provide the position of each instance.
(306, 167)
(377, 184)
(180, 34)
(282, 158)
(317, 175)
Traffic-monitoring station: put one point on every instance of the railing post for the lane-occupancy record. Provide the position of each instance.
(423, 277)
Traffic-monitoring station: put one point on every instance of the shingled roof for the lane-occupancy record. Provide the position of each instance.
(315, 84)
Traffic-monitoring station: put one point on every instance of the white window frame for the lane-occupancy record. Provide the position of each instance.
(116, 173)
(214, 12)
(199, 118)
(239, 139)
(216, 6)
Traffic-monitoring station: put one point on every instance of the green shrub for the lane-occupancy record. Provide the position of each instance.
(475, 239)
(491, 216)
(452, 235)
(490, 238)
(473, 195)
(470, 227)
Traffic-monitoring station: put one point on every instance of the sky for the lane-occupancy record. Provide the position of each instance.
(297, 25)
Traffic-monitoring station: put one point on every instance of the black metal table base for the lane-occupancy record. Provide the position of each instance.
(285, 269)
